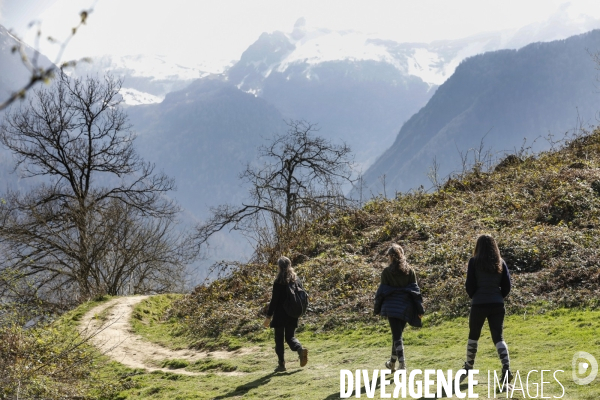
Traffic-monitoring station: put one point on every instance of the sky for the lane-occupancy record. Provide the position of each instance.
(199, 31)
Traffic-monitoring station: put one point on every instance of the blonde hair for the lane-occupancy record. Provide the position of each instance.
(396, 253)
(286, 272)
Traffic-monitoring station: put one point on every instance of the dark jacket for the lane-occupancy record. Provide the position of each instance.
(392, 276)
(486, 287)
(275, 310)
(405, 303)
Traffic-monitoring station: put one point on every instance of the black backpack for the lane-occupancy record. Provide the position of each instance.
(296, 301)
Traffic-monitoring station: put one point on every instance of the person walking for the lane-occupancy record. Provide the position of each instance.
(487, 284)
(399, 299)
(284, 324)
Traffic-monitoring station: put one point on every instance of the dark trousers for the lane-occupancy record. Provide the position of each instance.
(397, 325)
(494, 313)
(285, 332)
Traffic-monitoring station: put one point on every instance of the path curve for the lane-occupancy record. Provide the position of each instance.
(115, 338)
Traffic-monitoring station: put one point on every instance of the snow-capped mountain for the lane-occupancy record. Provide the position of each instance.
(147, 79)
(498, 100)
(431, 62)
(305, 48)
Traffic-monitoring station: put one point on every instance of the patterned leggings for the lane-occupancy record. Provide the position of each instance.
(494, 313)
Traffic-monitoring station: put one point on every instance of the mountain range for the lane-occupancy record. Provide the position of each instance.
(398, 105)
(501, 98)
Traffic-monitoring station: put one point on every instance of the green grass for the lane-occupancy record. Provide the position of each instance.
(147, 321)
(210, 364)
(175, 364)
(73, 317)
(541, 341)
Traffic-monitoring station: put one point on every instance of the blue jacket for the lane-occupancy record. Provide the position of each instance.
(405, 303)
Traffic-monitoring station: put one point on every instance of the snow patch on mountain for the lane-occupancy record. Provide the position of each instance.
(432, 62)
(323, 46)
(133, 97)
(161, 68)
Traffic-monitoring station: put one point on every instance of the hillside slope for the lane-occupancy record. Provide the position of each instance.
(543, 210)
(502, 96)
(536, 341)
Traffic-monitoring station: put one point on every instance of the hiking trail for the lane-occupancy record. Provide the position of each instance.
(114, 337)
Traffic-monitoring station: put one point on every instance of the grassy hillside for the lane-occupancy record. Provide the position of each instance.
(53, 360)
(543, 210)
(546, 340)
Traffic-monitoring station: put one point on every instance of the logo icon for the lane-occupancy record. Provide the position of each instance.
(581, 368)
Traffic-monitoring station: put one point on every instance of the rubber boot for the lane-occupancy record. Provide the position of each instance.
(303, 354)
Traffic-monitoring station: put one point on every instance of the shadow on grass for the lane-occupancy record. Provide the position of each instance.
(390, 390)
(246, 387)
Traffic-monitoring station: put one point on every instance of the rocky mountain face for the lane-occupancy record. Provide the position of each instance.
(501, 97)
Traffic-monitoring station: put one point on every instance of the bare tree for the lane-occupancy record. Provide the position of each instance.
(100, 222)
(301, 177)
(433, 174)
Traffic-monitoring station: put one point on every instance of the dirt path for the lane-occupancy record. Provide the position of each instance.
(117, 340)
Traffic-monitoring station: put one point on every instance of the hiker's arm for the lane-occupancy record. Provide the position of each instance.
(378, 300)
(471, 283)
(412, 277)
(274, 301)
(505, 283)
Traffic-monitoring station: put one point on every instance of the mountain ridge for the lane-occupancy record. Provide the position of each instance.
(503, 96)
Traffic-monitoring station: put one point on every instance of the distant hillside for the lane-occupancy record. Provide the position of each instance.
(544, 212)
(352, 86)
(503, 96)
(203, 136)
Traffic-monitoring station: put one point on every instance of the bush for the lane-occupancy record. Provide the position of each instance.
(48, 361)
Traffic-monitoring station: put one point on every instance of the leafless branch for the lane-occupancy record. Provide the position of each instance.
(301, 177)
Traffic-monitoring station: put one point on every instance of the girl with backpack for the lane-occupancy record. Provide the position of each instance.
(284, 324)
(399, 299)
(487, 284)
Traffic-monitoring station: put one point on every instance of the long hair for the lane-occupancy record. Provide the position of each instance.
(286, 272)
(396, 254)
(487, 255)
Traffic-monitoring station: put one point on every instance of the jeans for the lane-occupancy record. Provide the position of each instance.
(285, 332)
